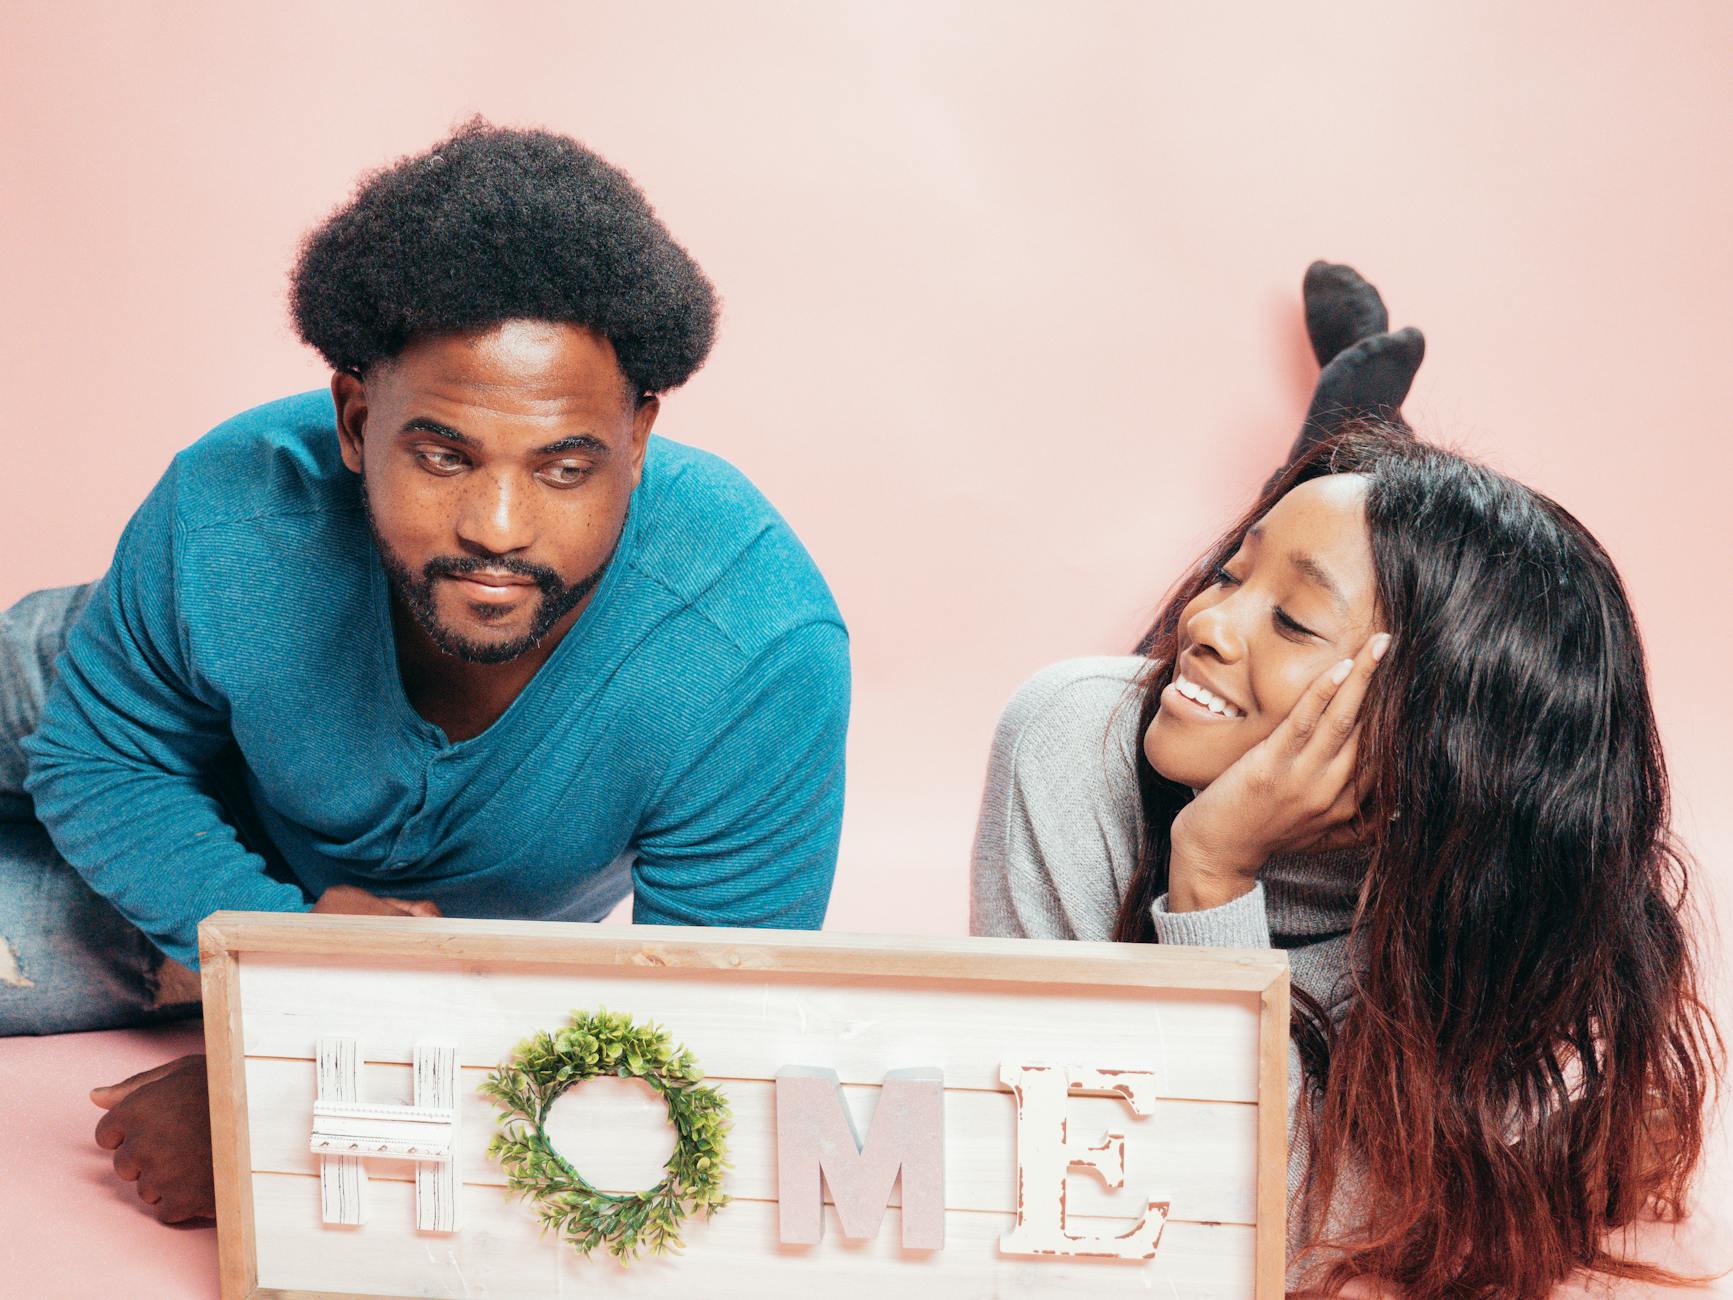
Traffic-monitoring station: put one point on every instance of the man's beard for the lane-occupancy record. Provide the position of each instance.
(558, 598)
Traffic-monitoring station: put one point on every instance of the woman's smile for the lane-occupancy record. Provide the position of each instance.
(1192, 700)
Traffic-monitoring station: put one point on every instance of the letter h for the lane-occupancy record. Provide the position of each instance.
(345, 1129)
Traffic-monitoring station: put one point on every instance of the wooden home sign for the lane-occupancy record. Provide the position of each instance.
(399, 1106)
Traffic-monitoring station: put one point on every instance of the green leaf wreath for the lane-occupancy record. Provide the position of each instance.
(606, 1042)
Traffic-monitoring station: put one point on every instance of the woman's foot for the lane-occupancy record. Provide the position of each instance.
(1368, 381)
(1341, 309)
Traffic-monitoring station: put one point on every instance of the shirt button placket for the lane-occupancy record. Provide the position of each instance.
(411, 845)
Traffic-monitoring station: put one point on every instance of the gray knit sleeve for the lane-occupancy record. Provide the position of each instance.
(1243, 922)
(1060, 820)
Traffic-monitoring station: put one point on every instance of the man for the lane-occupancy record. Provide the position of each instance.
(457, 637)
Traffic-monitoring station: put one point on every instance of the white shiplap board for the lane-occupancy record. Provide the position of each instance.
(1200, 1146)
(500, 1255)
(1202, 1046)
(1207, 1148)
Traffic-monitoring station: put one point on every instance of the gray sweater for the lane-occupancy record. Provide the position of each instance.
(1057, 842)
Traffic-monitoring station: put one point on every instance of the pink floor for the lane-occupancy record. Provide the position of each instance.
(75, 1232)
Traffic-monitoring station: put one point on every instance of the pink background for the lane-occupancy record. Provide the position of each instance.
(1012, 295)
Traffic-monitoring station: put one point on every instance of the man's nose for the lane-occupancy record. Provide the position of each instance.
(497, 515)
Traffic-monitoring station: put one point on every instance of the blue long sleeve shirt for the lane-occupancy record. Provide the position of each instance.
(229, 729)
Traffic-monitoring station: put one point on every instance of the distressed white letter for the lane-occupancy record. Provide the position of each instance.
(345, 1129)
(1046, 1151)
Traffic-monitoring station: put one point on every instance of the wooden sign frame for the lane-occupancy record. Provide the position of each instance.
(228, 939)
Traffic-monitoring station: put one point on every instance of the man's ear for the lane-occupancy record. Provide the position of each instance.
(349, 397)
(643, 420)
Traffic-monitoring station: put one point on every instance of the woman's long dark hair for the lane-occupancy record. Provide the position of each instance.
(1525, 1064)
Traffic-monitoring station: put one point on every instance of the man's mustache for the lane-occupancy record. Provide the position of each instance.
(451, 566)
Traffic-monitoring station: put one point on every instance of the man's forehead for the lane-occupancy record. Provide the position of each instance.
(527, 370)
(533, 344)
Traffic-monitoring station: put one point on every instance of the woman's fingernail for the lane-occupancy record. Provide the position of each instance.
(1339, 673)
(1380, 644)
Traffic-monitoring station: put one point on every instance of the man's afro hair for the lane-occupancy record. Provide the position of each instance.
(494, 224)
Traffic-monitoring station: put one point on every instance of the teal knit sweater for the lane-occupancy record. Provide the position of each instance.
(229, 729)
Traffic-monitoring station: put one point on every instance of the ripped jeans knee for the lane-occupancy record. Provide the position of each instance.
(68, 959)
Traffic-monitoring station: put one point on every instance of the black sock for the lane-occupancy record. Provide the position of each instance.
(1369, 380)
(1341, 309)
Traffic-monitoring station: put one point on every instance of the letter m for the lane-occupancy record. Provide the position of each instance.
(815, 1133)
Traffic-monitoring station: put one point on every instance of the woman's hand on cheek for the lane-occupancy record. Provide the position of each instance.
(1291, 792)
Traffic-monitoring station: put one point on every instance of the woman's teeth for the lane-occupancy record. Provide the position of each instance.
(1214, 703)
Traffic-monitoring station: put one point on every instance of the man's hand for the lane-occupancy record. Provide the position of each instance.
(348, 900)
(159, 1122)
(159, 1127)
(1292, 792)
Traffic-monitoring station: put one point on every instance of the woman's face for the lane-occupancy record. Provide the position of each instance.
(1297, 598)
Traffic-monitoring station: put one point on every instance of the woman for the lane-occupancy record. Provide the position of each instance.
(1396, 722)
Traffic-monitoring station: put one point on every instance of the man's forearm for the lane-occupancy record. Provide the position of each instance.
(155, 844)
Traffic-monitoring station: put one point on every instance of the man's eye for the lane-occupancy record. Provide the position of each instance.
(566, 475)
(443, 462)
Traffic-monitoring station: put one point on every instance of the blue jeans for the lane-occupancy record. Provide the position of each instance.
(68, 960)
